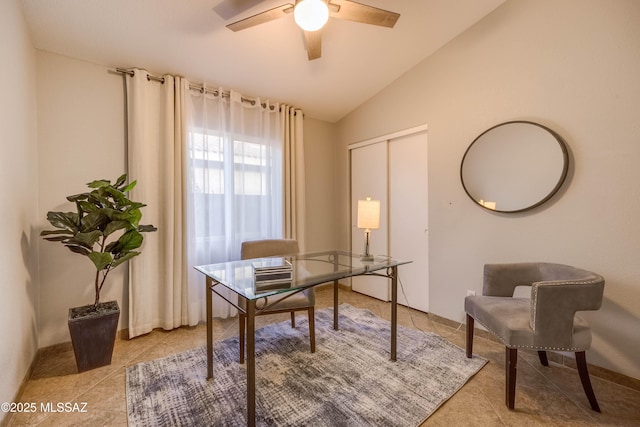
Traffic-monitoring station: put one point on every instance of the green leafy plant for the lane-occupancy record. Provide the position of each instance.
(105, 227)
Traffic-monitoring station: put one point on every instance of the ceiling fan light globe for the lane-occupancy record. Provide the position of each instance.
(311, 15)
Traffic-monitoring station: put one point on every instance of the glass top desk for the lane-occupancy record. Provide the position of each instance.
(308, 270)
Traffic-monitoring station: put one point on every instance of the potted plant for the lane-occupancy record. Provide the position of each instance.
(106, 229)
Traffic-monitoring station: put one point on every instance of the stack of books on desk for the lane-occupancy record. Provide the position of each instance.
(274, 273)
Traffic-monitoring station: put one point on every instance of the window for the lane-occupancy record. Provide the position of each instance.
(207, 158)
(250, 171)
(232, 177)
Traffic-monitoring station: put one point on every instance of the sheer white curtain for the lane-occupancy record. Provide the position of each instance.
(235, 180)
(215, 169)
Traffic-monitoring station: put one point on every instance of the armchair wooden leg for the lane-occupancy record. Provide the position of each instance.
(470, 322)
(542, 355)
(581, 362)
(242, 320)
(511, 362)
(312, 329)
(293, 319)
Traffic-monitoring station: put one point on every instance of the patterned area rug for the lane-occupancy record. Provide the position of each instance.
(348, 381)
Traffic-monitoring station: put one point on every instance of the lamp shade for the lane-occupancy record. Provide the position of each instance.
(311, 15)
(369, 213)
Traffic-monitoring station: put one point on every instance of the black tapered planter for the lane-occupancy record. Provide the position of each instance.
(93, 334)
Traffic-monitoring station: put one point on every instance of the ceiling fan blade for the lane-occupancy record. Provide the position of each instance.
(313, 40)
(227, 9)
(358, 12)
(261, 18)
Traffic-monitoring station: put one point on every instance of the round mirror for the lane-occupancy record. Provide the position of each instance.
(514, 166)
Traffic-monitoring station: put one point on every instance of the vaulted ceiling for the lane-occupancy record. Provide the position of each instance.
(189, 38)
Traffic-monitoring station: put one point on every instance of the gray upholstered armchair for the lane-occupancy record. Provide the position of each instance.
(285, 302)
(533, 306)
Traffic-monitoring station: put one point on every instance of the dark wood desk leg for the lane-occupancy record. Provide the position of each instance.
(209, 293)
(251, 363)
(335, 305)
(394, 311)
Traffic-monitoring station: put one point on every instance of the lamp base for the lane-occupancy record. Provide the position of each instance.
(367, 257)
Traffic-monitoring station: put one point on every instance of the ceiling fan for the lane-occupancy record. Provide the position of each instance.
(311, 15)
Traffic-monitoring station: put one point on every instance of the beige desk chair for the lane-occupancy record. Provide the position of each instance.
(304, 300)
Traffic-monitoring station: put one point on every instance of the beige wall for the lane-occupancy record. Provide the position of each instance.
(18, 201)
(80, 138)
(572, 65)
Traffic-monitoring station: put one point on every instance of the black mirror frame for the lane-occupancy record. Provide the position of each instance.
(563, 176)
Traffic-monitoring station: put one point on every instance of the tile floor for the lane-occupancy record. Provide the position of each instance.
(544, 396)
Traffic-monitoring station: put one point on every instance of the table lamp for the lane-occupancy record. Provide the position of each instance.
(369, 219)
